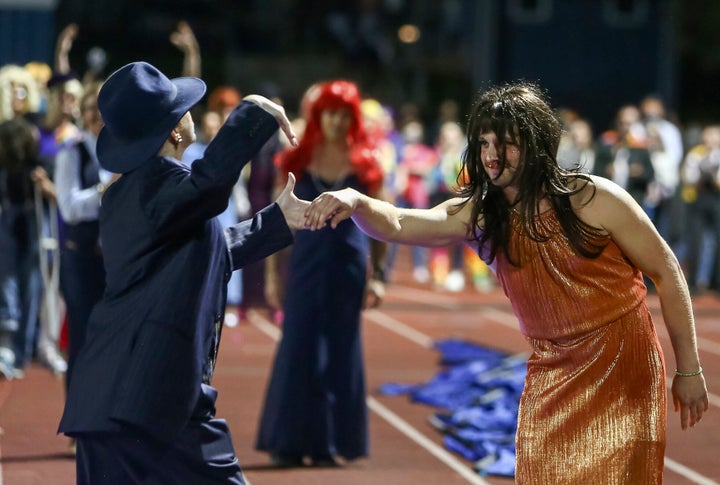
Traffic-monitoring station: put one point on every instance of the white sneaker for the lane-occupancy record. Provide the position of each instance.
(231, 319)
(50, 357)
(455, 281)
(7, 363)
(7, 356)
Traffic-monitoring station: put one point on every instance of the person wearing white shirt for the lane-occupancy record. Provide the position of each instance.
(80, 183)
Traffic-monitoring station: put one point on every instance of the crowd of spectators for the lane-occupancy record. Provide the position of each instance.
(671, 170)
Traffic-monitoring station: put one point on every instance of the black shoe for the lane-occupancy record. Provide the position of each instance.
(324, 461)
(282, 460)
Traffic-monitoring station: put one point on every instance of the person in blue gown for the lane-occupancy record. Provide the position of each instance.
(315, 402)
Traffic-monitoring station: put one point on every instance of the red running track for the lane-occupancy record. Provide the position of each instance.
(405, 449)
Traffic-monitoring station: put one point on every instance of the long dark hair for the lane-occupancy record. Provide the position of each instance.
(520, 112)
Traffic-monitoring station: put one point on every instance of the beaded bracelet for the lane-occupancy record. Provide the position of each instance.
(688, 374)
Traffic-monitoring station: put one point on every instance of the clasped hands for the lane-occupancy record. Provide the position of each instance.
(332, 207)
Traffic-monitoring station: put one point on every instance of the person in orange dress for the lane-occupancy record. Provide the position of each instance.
(569, 250)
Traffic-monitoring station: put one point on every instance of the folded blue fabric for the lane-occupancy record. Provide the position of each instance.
(470, 452)
(488, 439)
(448, 395)
(455, 351)
(504, 464)
(500, 415)
(480, 390)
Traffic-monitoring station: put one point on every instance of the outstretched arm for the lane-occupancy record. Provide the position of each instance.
(616, 212)
(381, 220)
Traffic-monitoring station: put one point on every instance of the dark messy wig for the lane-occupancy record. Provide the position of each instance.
(519, 112)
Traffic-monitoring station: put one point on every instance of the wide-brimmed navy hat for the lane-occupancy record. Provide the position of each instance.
(140, 107)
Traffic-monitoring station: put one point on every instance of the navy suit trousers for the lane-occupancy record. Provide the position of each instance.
(202, 453)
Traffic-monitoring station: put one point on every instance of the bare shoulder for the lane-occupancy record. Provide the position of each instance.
(600, 201)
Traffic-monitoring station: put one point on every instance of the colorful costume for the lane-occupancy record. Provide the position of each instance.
(594, 405)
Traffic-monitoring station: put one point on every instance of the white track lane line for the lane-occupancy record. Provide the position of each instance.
(508, 319)
(688, 473)
(433, 448)
(391, 418)
(399, 328)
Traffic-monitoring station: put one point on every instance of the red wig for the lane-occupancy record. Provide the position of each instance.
(333, 95)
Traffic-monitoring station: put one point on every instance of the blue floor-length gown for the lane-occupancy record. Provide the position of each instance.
(315, 402)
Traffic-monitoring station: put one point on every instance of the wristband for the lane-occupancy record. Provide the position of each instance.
(688, 374)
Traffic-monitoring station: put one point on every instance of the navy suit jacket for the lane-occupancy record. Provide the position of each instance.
(152, 339)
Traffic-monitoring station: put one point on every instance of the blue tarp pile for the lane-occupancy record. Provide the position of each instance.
(478, 392)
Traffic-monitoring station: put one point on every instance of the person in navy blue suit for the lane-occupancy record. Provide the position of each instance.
(140, 403)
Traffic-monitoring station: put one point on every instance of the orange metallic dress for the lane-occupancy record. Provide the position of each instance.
(593, 409)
